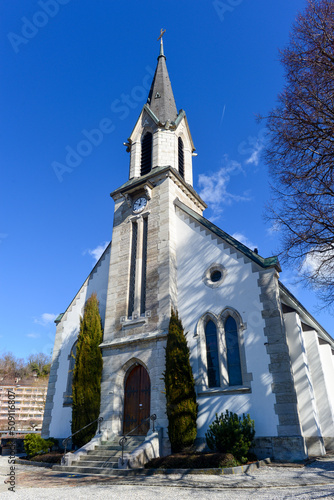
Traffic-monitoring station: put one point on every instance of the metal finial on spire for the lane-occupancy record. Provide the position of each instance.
(162, 32)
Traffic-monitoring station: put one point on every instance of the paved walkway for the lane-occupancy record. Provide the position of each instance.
(315, 480)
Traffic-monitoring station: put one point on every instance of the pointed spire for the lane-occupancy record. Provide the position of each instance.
(161, 98)
(161, 49)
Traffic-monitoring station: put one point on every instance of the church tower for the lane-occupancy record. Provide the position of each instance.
(142, 285)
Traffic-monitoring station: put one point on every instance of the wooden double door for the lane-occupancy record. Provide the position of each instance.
(137, 400)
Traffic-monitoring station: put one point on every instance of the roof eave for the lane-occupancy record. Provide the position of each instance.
(293, 302)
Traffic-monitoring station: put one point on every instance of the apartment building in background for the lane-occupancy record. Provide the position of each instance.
(29, 398)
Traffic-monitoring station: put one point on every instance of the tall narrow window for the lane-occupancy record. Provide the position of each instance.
(181, 157)
(146, 154)
(233, 354)
(212, 354)
(133, 269)
(68, 394)
(143, 269)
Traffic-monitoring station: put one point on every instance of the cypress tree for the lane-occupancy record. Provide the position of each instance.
(180, 388)
(87, 373)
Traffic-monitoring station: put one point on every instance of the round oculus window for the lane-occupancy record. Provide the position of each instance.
(214, 275)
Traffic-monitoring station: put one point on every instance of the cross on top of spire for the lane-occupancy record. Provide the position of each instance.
(162, 32)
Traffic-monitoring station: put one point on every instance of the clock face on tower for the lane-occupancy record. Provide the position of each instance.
(139, 204)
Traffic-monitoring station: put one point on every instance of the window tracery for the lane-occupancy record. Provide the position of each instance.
(223, 365)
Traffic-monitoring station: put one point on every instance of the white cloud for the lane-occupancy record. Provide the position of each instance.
(320, 264)
(214, 186)
(274, 228)
(98, 251)
(253, 146)
(254, 158)
(33, 335)
(310, 263)
(45, 319)
(243, 239)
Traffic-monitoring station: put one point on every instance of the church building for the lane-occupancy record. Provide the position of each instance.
(253, 347)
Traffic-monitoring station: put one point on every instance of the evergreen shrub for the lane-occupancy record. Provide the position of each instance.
(180, 388)
(228, 433)
(34, 444)
(86, 387)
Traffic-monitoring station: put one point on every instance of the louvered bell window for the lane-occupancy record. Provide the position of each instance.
(146, 154)
(181, 157)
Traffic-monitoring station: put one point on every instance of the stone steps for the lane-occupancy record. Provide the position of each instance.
(103, 459)
(101, 471)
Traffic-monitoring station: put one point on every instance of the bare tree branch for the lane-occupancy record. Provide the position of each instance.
(300, 150)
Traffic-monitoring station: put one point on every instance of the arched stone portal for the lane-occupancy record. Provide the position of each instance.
(137, 400)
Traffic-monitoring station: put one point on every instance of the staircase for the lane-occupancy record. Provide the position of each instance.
(104, 459)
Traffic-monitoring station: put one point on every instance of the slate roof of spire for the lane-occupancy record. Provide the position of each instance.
(161, 98)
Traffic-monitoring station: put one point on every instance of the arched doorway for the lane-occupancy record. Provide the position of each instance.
(137, 399)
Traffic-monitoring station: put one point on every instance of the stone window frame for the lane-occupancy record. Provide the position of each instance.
(219, 320)
(206, 278)
(140, 316)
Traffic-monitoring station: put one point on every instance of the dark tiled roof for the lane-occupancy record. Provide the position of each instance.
(161, 98)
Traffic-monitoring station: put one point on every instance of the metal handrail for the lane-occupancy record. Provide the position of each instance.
(123, 439)
(66, 440)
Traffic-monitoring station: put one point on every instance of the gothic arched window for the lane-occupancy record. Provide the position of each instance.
(212, 354)
(232, 352)
(146, 154)
(181, 157)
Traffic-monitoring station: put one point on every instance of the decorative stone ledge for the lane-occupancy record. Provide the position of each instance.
(134, 339)
(221, 390)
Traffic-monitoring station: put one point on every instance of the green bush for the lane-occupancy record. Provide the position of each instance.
(180, 388)
(228, 433)
(35, 444)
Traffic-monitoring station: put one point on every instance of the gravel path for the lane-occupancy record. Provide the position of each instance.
(315, 480)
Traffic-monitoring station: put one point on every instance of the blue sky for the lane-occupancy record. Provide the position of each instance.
(70, 67)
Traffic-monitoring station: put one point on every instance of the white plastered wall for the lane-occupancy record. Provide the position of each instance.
(67, 333)
(320, 384)
(307, 407)
(196, 251)
(326, 355)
